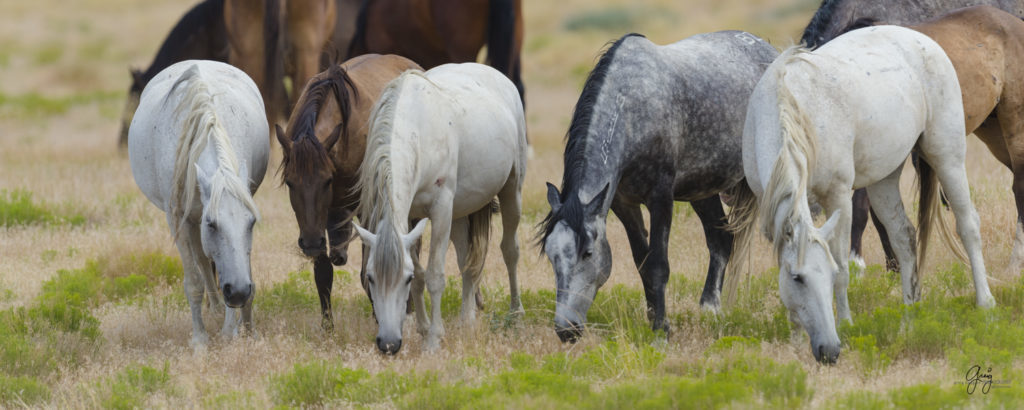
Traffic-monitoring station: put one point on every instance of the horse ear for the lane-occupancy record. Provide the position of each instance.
(203, 180)
(409, 239)
(286, 144)
(136, 75)
(553, 198)
(333, 138)
(597, 202)
(368, 237)
(829, 227)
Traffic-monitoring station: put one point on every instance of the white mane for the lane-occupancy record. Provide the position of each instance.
(202, 126)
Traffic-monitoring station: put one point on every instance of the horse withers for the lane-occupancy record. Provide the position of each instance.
(442, 145)
(654, 124)
(847, 115)
(322, 150)
(198, 147)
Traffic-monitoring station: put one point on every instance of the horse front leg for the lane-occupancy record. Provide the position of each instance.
(839, 245)
(719, 242)
(323, 275)
(440, 231)
(654, 271)
(190, 250)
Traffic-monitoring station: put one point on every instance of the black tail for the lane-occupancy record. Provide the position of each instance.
(273, 59)
(501, 40)
(358, 45)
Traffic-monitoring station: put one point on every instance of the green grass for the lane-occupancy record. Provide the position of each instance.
(27, 390)
(33, 104)
(18, 208)
(130, 388)
(614, 19)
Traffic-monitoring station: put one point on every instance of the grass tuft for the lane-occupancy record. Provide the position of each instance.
(17, 208)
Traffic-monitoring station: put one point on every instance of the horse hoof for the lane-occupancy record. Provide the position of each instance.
(857, 264)
(327, 325)
(987, 302)
(711, 307)
(432, 344)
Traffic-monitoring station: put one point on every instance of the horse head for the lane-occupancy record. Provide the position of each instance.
(806, 275)
(575, 243)
(226, 234)
(389, 273)
(308, 171)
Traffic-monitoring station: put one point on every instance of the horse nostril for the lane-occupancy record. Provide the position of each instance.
(227, 290)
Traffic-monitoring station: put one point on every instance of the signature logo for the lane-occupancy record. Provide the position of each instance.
(975, 378)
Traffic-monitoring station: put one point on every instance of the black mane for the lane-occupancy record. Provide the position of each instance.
(571, 210)
(307, 150)
(816, 28)
(207, 15)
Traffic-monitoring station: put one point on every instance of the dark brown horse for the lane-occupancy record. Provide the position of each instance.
(199, 35)
(272, 38)
(435, 32)
(323, 148)
(986, 46)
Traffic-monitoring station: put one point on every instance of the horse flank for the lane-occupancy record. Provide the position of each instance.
(201, 126)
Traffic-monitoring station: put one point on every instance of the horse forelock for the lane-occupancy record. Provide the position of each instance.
(202, 126)
(786, 191)
(577, 138)
(307, 153)
(388, 255)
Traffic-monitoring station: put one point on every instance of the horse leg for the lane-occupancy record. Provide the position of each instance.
(339, 231)
(633, 220)
(460, 240)
(859, 223)
(189, 247)
(838, 244)
(440, 231)
(719, 242)
(946, 155)
(323, 275)
(655, 270)
(1011, 121)
(511, 201)
(888, 205)
(416, 291)
(309, 25)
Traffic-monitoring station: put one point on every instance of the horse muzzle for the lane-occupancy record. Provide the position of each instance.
(313, 250)
(236, 296)
(568, 331)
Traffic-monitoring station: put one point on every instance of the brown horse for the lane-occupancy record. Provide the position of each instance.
(986, 46)
(435, 32)
(323, 148)
(272, 38)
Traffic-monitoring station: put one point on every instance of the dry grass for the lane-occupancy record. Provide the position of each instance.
(69, 157)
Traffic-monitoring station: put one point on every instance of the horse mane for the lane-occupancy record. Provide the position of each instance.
(307, 153)
(787, 185)
(358, 43)
(198, 18)
(859, 23)
(819, 23)
(201, 127)
(571, 210)
(375, 179)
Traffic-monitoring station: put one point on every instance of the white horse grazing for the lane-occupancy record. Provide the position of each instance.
(198, 146)
(442, 145)
(821, 123)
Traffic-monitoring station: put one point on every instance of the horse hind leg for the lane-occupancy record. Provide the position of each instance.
(719, 242)
(1011, 120)
(460, 237)
(888, 205)
(511, 202)
(946, 155)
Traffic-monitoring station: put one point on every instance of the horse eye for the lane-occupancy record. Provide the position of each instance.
(369, 279)
(798, 279)
(212, 225)
(327, 184)
(587, 254)
(408, 281)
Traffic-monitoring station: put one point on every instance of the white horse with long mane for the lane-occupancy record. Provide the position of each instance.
(198, 146)
(847, 115)
(442, 144)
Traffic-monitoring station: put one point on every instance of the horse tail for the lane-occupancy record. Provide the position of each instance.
(479, 237)
(742, 218)
(929, 211)
(201, 125)
(358, 44)
(273, 64)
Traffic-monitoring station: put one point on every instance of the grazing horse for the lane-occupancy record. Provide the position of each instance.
(847, 115)
(436, 32)
(835, 17)
(323, 148)
(654, 124)
(198, 148)
(273, 38)
(199, 35)
(442, 145)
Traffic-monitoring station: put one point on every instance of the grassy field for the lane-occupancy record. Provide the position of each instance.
(92, 312)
